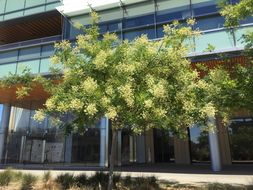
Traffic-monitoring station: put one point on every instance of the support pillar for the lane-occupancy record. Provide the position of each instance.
(104, 141)
(4, 130)
(140, 142)
(119, 146)
(68, 148)
(223, 137)
(214, 147)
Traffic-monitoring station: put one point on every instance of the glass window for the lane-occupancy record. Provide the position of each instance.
(199, 145)
(239, 35)
(13, 15)
(8, 56)
(139, 21)
(33, 65)
(173, 10)
(160, 32)
(5, 69)
(241, 141)
(131, 35)
(225, 41)
(73, 32)
(29, 53)
(45, 65)
(163, 146)
(202, 7)
(2, 6)
(13, 5)
(19, 119)
(34, 10)
(30, 3)
(86, 147)
(210, 23)
(47, 50)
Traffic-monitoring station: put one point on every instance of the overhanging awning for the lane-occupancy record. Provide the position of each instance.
(31, 27)
(78, 7)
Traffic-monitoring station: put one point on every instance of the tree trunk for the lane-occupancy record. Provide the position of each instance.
(112, 158)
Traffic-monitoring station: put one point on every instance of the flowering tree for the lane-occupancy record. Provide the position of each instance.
(138, 85)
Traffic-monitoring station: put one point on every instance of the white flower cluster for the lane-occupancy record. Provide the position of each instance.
(111, 113)
(105, 101)
(91, 109)
(89, 85)
(76, 104)
(208, 111)
(127, 93)
(148, 103)
(160, 112)
(159, 90)
(109, 90)
(100, 60)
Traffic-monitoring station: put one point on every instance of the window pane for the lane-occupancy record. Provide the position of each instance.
(47, 50)
(241, 141)
(29, 53)
(202, 7)
(199, 145)
(30, 3)
(173, 10)
(45, 65)
(13, 5)
(2, 6)
(210, 23)
(33, 65)
(7, 68)
(239, 34)
(131, 35)
(8, 56)
(225, 41)
(34, 10)
(139, 21)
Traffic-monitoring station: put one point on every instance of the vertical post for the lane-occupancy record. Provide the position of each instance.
(68, 149)
(214, 147)
(22, 149)
(104, 140)
(4, 129)
(43, 151)
(119, 145)
(140, 149)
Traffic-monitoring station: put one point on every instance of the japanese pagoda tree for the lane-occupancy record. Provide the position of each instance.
(243, 74)
(137, 85)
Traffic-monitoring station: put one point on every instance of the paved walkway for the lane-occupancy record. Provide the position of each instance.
(182, 174)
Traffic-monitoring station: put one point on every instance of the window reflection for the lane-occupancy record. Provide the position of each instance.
(241, 141)
(199, 145)
(164, 145)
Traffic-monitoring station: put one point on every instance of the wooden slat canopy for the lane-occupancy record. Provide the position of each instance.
(30, 27)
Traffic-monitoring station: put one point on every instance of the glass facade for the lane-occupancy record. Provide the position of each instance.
(32, 142)
(164, 146)
(241, 140)
(199, 145)
(10, 9)
(36, 58)
(133, 23)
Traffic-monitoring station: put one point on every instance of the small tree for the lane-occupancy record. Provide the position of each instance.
(138, 85)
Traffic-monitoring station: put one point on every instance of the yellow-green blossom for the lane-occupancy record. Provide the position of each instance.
(39, 115)
(89, 85)
(91, 109)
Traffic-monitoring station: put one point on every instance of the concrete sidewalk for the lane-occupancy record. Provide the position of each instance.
(182, 174)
